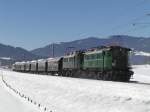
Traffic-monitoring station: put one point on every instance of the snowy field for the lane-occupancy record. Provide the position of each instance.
(62, 94)
(10, 102)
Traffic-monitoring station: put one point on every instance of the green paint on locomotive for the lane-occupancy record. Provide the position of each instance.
(101, 60)
(107, 60)
(112, 58)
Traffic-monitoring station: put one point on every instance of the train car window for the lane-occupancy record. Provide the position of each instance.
(92, 56)
(104, 53)
(108, 54)
(98, 55)
(71, 59)
(88, 57)
(85, 57)
(65, 59)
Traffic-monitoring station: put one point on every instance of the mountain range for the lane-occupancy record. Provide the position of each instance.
(10, 54)
(60, 49)
(136, 43)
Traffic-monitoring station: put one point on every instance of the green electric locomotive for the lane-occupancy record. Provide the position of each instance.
(106, 63)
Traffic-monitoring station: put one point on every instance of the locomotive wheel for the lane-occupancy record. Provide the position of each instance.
(68, 73)
(113, 77)
(100, 76)
(108, 76)
(71, 74)
(97, 76)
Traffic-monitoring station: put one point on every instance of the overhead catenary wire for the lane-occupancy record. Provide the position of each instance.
(139, 25)
(137, 28)
(130, 23)
(144, 1)
(134, 24)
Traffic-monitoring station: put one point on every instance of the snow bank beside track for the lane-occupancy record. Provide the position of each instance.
(62, 94)
(142, 73)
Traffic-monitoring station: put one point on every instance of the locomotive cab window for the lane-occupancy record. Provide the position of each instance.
(92, 56)
(71, 59)
(108, 54)
(86, 57)
(65, 60)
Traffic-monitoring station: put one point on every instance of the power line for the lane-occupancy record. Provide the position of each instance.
(126, 24)
(144, 1)
(144, 25)
(134, 24)
(137, 28)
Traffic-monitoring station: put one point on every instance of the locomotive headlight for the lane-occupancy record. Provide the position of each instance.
(114, 63)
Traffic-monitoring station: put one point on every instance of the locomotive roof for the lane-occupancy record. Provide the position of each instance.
(72, 54)
(69, 56)
(96, 51)
(104, 48)
(113, 47)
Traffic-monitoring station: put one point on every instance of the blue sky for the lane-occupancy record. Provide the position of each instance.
(35, 23)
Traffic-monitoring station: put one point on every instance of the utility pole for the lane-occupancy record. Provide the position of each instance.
(53, 50)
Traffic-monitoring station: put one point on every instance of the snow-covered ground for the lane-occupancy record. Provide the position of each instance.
(9, 102)
(142, 73)
(141, 53)
(62, 94)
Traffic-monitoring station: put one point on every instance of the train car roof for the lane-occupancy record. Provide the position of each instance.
(94, 51)
(71, 54)
(20, 63)
(54, 59)
(104, 48)
(33, 61)
(40, 60)
(17, 63)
